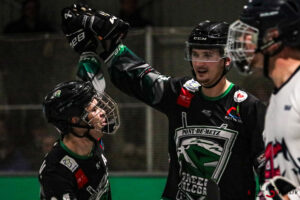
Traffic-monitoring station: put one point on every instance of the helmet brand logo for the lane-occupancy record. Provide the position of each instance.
(56, 94)
(267, 14)
(200, 38)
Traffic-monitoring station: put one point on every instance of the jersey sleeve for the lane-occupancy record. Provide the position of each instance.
(171, 186)
(57, 183)
(133, 76)
(254, 118)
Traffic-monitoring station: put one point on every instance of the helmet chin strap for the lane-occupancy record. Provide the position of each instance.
(267, 60)
(98, 150)
(222, 75)
(86, 134)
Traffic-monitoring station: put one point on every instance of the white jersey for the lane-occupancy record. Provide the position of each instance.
(282, 131)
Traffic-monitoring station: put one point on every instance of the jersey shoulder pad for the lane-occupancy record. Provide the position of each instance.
(192, 85)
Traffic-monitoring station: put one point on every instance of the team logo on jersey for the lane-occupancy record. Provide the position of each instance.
(192, 85)
(240, 96)
(81, 178)
(203, 153)
(272, 150)
(69, 162)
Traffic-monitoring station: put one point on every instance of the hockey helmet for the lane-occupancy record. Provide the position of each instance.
(249, 34)
(208, 35)
(69, 99)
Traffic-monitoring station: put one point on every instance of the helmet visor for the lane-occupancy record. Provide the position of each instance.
(203, 53)
(102, 114)
(242, 42)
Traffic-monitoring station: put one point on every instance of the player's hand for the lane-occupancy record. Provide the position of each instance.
(80, 38)
(110, 30)
(105, 27)
(285, 197)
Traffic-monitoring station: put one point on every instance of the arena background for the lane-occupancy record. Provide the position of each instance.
(31, 64)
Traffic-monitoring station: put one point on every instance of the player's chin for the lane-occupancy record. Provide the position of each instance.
(257, 62)
(202, 79)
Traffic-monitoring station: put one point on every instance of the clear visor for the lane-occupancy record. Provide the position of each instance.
(242, 42)
(102, 114)
(202, 53)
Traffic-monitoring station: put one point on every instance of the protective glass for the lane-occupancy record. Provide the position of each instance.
(211, 55)
(242, 42)
(102, 114)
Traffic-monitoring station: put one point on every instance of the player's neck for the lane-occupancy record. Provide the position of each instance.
(283, 69)
(216, 91)
(79, 146)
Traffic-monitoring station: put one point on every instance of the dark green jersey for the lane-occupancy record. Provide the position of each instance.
(209, 138)
(65, 175)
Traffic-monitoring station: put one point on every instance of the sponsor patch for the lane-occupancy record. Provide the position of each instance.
(287, 107)
(185, 98)
(192, 85)
(69, 162)
(240, 96)
(81, 178)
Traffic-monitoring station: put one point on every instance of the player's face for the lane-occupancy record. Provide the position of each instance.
(208, 65)
(96, 118)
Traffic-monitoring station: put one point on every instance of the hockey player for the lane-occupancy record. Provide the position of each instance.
(76, 168)
(215, 127)
(267, 35)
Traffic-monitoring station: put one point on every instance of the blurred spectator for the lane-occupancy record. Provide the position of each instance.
(131, 13)
(39, 139)
(11, 158)
(47, 143)
(29, 21)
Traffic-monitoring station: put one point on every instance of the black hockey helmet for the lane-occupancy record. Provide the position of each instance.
(208, 35)
(259, 16)
(66, 100)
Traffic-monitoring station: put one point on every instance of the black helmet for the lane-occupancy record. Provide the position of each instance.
(66, 100)
(281, 14)
(209, 34)
(257, 18)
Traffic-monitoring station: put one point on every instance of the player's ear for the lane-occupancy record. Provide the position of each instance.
(75, 120)
(227, 61)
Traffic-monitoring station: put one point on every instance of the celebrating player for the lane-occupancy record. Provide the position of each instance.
(76, 168)
(215, 127)
(268, 36)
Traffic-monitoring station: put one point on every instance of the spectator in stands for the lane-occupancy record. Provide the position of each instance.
(11, 158)
(29, 21)
(131, 13)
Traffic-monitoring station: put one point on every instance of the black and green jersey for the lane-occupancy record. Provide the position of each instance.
(209, 138)
(65, 175)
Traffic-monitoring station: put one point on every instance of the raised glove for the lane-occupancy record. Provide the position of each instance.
(80, 39)
(277, 187)
(105, 27)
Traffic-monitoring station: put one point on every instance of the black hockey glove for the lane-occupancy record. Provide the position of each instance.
(80, 39)
(107, 28)
(277, 187)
